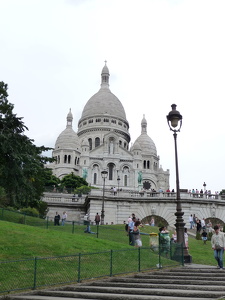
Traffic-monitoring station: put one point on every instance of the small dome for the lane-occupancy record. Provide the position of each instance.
(67, 139)
(146, 143)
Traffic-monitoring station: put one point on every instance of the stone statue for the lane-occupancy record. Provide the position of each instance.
(85, 173)
(139, 177)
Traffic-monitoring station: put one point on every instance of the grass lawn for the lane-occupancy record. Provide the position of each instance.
(20, 241)
(25, 248)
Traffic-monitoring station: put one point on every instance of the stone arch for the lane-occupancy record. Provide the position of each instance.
(159, 221)
(95, 173)
(111, 169)
(215, 221)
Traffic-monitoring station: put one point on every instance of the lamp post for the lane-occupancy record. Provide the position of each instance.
(204, 185)
(174, 120)
(118, 180)
(104, 176)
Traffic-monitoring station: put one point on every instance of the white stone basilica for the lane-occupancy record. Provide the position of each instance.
(102, 143)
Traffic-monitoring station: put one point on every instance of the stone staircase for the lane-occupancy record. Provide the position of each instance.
(183, 283)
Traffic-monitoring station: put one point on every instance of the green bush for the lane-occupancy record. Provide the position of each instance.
(210, 236)
(30, 211)
(82, 190)
(198, 236)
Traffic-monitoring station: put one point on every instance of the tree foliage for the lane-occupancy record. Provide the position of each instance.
(50, 179)
(21, 162)
(72, 181)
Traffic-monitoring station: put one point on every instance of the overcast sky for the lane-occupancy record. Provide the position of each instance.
(158, 53)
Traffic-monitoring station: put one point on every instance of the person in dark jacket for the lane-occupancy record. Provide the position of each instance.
(56, 219)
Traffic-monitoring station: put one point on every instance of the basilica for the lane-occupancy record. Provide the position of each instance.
(102, 143)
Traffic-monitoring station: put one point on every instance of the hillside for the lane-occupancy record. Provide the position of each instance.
(21, 241)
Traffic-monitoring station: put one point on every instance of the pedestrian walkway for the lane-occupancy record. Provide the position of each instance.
(201, 282)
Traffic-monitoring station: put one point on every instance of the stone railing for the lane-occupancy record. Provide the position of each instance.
(63, 198)
(149, 194)
(127, 194)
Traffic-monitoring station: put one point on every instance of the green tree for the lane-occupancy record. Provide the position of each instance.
(72, 182)
(21, 162)
(50, 179)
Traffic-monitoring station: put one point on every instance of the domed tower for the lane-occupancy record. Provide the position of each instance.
(104, 125)
(103, 113)
(149, 159)
(67, 151)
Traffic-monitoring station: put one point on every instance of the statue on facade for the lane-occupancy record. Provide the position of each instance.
(139, 177)
(85, 173)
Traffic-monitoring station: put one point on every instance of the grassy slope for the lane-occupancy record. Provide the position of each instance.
(20, 241)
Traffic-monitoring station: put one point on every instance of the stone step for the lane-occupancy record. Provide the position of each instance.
(116, 292)
(172, 281)
(203, 277)
(159, 285)
(138, 285)
(105, 297)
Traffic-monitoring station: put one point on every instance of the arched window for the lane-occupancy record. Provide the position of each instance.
(95, 178)
(90, 144)
(78, 160)
(65, 159)
(125, 180)
(111, 167)
(69, 158)
(97, 142)
(144, 164)
(75, 161)
(58, 159)
(148, 164)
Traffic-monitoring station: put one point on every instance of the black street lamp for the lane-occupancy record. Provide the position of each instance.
(104, 176)
(174, 120)
(204, 185)
(118, 180)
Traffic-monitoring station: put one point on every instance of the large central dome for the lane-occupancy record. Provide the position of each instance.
(104, 102)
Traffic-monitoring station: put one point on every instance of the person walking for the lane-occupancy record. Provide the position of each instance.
(97, 219)
(56, 219)
(198, 226)
(191, 221)
(136, 234)
(152, 222)
(218, 246)
(64, 217)
(87, 223)
(204, 236)
(130, 231)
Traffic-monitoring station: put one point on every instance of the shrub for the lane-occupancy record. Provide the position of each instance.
(210, 236)
(82, 190)
(30, 211)
(198, 236)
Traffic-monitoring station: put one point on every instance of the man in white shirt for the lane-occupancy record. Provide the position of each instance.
(191, 221)
(203, 223)
(218, 245)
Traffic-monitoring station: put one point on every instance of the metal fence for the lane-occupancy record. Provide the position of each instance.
(45, 272)
(42, 272)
